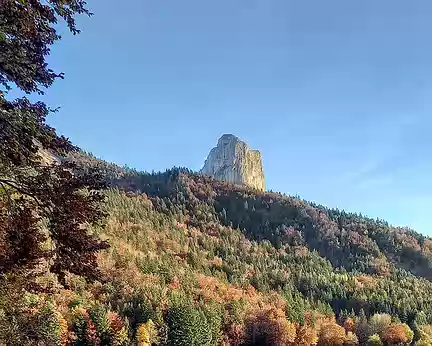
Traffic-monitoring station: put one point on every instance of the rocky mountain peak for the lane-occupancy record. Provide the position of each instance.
(233, 161)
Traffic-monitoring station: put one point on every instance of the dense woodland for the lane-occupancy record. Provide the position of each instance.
(95, 254)
(195, 261)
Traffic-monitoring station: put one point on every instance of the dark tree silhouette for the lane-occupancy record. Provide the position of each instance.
(36, 183)
(26, 34)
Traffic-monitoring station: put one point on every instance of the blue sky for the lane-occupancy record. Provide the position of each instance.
(335, 94)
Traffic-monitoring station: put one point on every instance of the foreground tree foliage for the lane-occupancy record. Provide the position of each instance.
(36, 192)
(26, 35)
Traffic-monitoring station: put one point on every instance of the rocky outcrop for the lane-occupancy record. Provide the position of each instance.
(233, 161)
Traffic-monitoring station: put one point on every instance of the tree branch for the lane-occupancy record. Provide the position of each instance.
(12, 185)
(7, 192)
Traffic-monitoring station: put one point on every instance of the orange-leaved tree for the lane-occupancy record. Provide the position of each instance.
(331, 334)
(397, 334)
(270, 327)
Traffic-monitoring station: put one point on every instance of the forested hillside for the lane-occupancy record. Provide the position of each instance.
(93, 254)
(194, 261)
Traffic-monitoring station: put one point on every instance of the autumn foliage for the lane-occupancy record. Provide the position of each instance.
(270, 327)
(34, 189)
(331, 334)
(397, 334)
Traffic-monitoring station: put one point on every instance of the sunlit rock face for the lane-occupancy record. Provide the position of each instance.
(233, 161)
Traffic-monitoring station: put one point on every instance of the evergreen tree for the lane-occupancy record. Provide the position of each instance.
(99, 316)
(188, 326)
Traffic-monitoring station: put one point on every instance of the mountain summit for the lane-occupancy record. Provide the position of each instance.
(233, 161)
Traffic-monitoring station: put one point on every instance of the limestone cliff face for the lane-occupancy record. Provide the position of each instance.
(233, 161)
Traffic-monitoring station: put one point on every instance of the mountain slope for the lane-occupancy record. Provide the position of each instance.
(196, 261)
(353, 245)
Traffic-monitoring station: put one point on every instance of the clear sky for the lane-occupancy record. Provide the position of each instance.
(335, 94)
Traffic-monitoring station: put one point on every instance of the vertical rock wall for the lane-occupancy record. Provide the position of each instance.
(233, 161)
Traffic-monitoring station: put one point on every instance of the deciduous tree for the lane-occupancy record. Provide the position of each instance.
(32, 188)
(270, 327)
(374, 340)
(26, 34)
(397, 334)
(331, 334)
